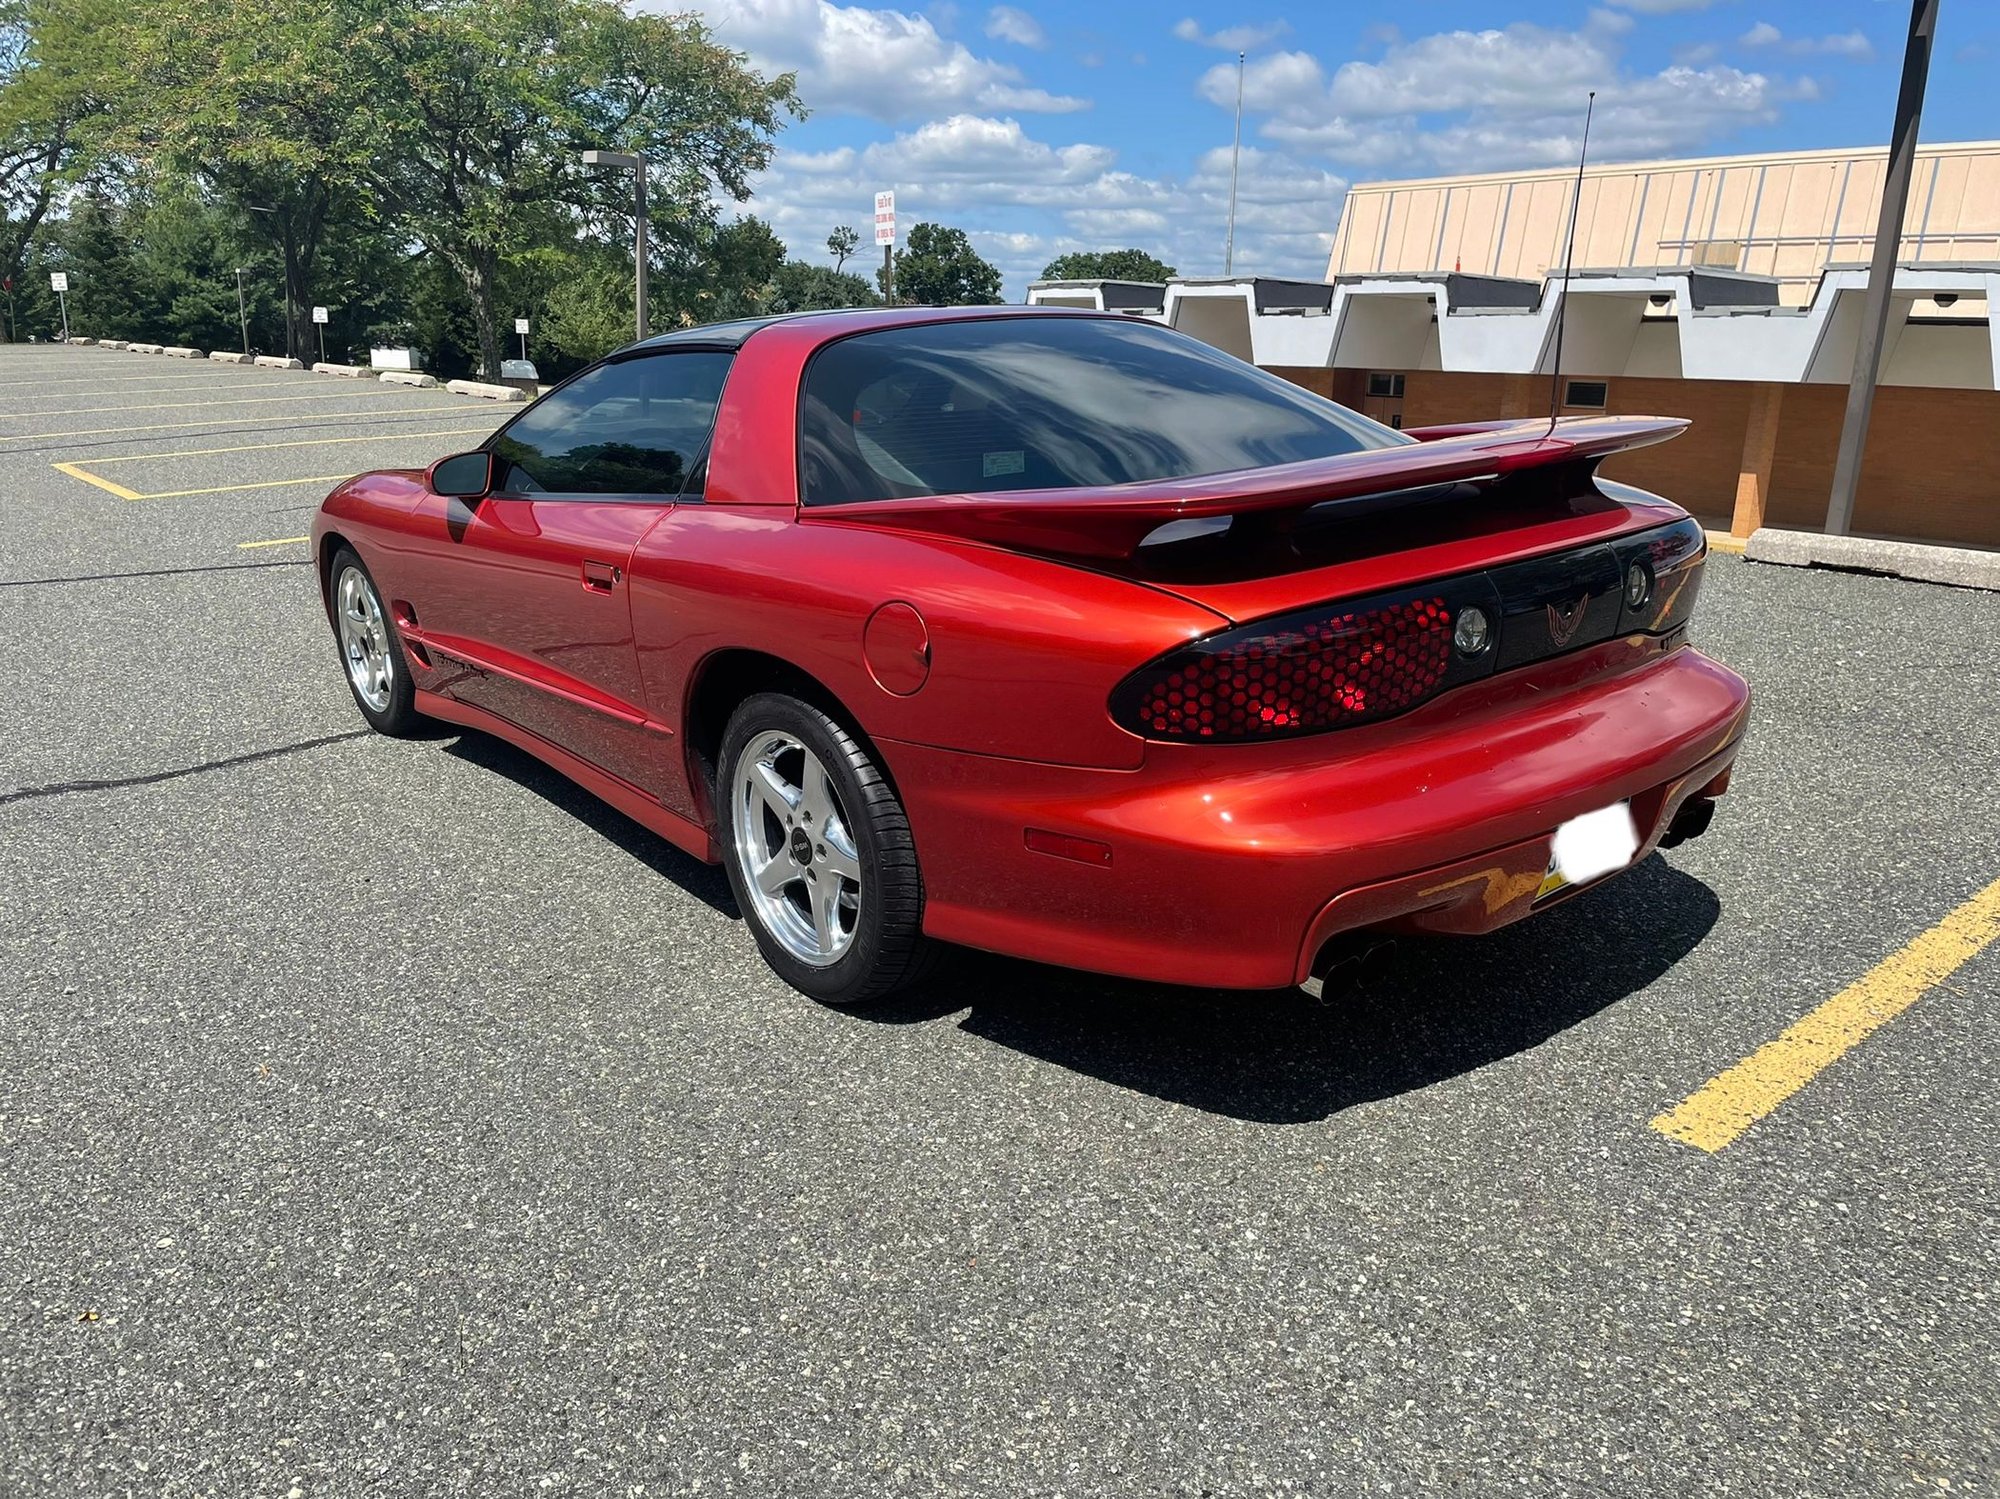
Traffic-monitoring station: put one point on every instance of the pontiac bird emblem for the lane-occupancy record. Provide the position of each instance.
(1564, 618)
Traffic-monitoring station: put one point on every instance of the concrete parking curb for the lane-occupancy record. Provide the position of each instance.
(351, 371)
(83, 342)
(223, 356)
(277, 362)
(489, 392)
(111, 343)
(143, 348)
(176, 352)
(409, 377)
(1961, 567)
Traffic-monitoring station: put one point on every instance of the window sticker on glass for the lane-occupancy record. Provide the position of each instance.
(996, 464)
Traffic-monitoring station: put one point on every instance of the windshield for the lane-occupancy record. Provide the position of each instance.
(1048, 403)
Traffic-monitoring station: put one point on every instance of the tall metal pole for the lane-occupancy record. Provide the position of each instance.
(622, 161)
(1882, 267)
(242, 312)
(1235, 156)
(63, 298)
(640, 255)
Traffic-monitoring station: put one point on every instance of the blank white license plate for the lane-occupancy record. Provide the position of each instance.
(1589, 847)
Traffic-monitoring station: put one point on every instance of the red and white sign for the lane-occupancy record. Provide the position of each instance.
(885, 218)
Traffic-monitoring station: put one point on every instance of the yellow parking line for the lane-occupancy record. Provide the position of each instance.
(310, 395)
(220, 421)
(89, 478)
(282, 541)
(131, 379)
(1721, 1110)
(140, 390)
(298, 442)
(181, 494)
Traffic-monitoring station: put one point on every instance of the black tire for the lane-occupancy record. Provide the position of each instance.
(886, 951)
(397, 716)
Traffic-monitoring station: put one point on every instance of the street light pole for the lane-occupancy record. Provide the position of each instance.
(1882, 268)
(242, 312)
(284, 238)
(624, 161)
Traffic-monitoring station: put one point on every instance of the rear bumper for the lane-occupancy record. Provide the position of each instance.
(1231, 866)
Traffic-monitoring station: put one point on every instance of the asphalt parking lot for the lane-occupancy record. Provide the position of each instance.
(388, 1117)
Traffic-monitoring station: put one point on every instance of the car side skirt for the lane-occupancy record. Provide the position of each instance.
(682, 832)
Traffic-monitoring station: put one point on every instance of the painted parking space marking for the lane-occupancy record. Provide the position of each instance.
(89, 478)
(278, 541)
(181, 494)
(291, 424)
(304, 395)
(254, 447)
(176, 386)
(132, 379)
(85, 468)
(1722, 1109)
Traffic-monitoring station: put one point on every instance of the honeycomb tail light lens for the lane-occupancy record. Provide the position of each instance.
(1358, 661)
(1328, 668)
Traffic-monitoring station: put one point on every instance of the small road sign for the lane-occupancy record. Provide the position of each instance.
(885, 218)
(58, 280)
(319, 314)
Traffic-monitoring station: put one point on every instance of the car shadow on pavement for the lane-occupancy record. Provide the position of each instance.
(705, 882)
(1438, 1007)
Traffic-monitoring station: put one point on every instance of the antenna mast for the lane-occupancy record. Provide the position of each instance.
(1235, 154)
(1569, 265)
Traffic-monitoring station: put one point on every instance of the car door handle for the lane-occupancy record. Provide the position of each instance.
(599, 577)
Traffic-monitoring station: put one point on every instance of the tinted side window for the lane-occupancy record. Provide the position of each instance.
(635, 427)
(1048, 403)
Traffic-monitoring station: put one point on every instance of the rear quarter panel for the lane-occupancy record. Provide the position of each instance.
(1023, 652)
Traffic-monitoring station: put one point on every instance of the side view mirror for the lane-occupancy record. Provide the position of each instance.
(462, 476)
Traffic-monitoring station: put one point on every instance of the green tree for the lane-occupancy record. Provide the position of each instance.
(487, 104)
(842, 243)
(266, 111)
(587, 312)
(800, 286)
(939, 268)
(57, 63)
(1107, 265)
(716, 271)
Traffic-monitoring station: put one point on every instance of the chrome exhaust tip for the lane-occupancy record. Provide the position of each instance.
(1347, 963)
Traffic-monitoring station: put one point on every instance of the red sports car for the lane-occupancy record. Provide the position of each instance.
(1052, 633)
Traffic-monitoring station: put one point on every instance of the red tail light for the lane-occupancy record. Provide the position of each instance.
(1357, 661)
(1300, 675)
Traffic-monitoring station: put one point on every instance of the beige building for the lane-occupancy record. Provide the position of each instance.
(1788, 216)
(1729, 291)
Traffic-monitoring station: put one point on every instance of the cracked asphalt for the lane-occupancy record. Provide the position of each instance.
(389, 1118)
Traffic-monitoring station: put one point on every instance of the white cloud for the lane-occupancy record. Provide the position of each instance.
(1231, 38)
(1841, 44)
(1661, 7)
(883, 63)
(1517, 94)
(1024, 201)
(1008, 23)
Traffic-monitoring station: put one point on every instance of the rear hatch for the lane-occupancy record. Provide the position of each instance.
(1363, 584)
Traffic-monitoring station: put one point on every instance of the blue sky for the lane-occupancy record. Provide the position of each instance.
(1040, 127)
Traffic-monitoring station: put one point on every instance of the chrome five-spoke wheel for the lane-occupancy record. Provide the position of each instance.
(364, 639)
(799, 858)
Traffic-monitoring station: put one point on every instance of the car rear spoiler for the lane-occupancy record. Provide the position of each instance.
(1112, 522)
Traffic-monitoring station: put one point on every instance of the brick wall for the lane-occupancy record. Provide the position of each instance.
(1932, 471)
